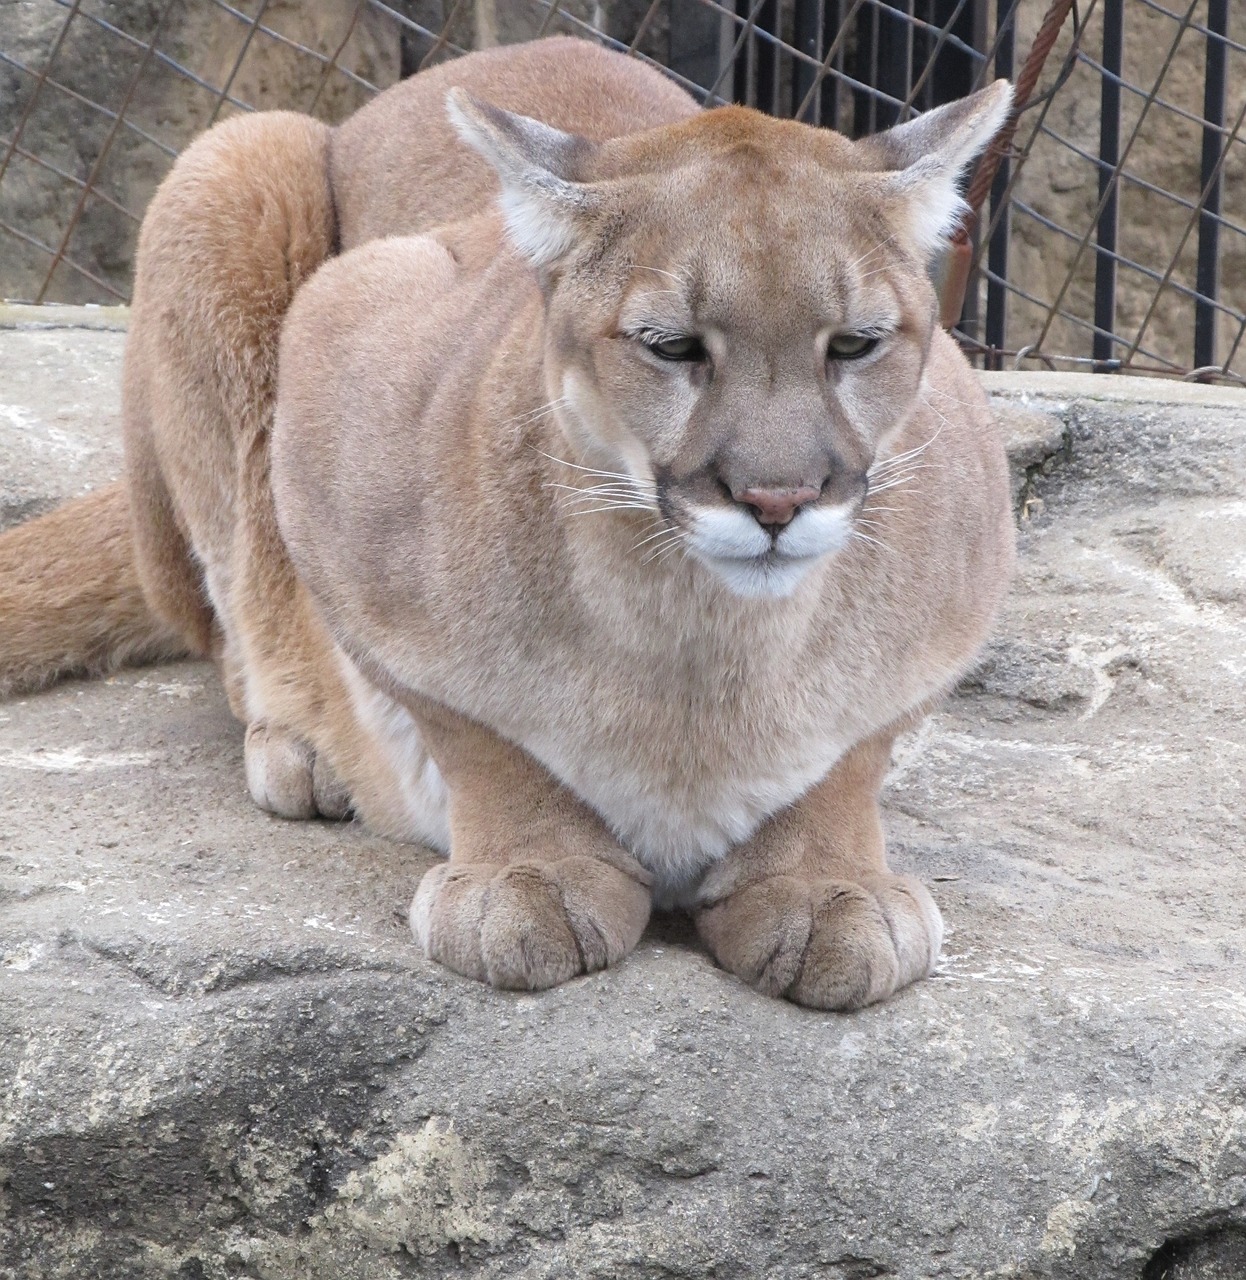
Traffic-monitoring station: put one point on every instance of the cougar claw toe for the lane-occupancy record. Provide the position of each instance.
(528, 925)
(828, 944)
(286, 776)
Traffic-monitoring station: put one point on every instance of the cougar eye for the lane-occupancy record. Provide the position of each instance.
(684, 347)
(850, 346)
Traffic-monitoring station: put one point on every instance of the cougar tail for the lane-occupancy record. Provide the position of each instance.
(70, 599)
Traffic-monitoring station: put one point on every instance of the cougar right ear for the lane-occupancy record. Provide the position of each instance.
(544, 205)
(924, 159)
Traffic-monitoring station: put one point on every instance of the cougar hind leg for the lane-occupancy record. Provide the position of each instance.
(243, 219)
(171, 580)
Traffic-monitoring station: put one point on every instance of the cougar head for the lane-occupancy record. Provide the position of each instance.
(738, 311)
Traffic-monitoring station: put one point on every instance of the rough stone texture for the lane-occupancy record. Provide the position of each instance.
(221, 1055)
(373, 48)
(60, 412)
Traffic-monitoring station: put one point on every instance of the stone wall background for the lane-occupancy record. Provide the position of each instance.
(373, 49)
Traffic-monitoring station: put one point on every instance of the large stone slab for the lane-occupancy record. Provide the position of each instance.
(60, 410)
(221, 1055)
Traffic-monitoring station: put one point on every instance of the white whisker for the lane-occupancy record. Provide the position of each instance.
(901, 483)
(667, 549)
(591, 471)
(680, 277)
(865, 537)
(897, 458)
(532, 415)
(869, 253)
(611, 506)
(898, 473)
(664, 529)
(569, 492)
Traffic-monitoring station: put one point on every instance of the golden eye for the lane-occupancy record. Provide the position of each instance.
(850, 346)
(686, 347)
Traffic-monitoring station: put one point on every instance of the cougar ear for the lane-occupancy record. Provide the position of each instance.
(926, 156)
(544, 205)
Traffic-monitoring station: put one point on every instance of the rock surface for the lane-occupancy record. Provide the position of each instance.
(221, 1054)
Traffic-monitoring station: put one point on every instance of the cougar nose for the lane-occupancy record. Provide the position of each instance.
(776, 506)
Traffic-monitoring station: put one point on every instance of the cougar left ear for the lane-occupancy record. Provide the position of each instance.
(544, 204)
(927, 155)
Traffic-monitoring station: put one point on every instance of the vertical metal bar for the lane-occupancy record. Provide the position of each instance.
(872, 81)
(807, 37)
(996, 332)
(1109, 156)
(864, 69)
(968, 23)
(1211, 177)
(833, 20)
(893, 53)
(833, 59)
(698, 37)
(765, 54)
(742, 81)
(808, 19)
(923, 52)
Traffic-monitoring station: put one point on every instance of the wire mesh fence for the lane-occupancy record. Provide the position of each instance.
(1111, 233)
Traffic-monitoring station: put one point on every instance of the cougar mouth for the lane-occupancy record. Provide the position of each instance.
(755, 561)
(772, 574)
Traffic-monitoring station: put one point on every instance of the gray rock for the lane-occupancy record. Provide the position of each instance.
(221, 1055)
(60, 411)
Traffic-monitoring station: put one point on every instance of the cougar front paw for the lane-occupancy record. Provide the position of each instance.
(286, 775)
(829, 944)
(529, 925)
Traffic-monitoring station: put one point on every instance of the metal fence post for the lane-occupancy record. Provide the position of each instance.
(1103, 344)
(1211, 171)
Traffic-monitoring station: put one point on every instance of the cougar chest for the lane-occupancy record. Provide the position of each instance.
(686, 737)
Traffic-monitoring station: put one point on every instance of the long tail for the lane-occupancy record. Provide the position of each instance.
(70, 599)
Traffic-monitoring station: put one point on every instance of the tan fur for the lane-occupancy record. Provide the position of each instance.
(70, 599)
(498, 602)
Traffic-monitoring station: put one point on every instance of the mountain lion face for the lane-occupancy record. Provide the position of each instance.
(738, 316)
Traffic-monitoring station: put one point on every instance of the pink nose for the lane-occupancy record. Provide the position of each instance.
(776, 506)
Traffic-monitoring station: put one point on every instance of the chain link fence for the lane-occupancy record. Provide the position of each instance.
(1110, 230)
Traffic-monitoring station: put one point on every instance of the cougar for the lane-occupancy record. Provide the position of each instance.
(570, 479)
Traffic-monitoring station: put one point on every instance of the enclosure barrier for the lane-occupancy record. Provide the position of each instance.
(1101, 238)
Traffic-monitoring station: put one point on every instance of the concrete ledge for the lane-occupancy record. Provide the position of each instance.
(1067, 387)
(22, 315)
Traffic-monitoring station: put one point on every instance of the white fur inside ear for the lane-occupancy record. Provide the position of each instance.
(540, 206)
(934, 150)
(541, 230)
(931, 206)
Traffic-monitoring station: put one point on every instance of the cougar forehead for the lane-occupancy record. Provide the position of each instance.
(735, 207)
